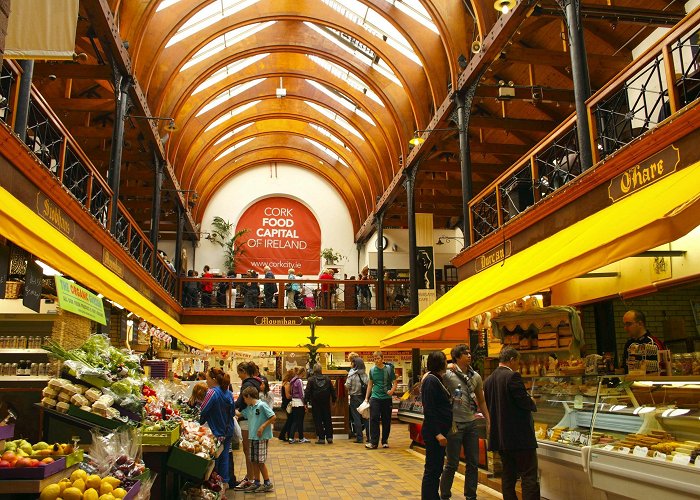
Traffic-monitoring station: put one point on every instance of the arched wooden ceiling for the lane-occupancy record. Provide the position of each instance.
(291, 51)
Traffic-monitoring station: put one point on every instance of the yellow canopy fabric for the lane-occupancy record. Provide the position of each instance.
(660, 213)
(42, 29)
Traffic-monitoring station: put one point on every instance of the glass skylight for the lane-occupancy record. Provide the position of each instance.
(351, 78)
(229, 69)
(209, 15)
(225, 40)
(374, 23)
(336, 118)
(229, 94)
(415, 9)
(356, 48)
(342, 100)
(165, 4)
(230, 114)
(231, 149)
(328, 151)
(327, 133)
(230, 134)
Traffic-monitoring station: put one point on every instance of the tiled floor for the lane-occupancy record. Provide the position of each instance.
(345, 470)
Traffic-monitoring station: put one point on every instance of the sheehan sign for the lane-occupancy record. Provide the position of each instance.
(283, 234)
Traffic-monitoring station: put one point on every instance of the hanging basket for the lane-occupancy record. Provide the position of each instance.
(13, 289)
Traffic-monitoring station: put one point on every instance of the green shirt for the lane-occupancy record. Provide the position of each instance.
(381, 381)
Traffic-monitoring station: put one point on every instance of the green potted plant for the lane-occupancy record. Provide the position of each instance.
(330, 256)
(221, 235)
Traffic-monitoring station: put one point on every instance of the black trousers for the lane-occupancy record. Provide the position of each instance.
(434, 460)
(521, 463)
(297, 424)
(285, 432)
(379, 410)
(322, 420)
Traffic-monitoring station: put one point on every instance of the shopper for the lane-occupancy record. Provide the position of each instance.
(190, 291)
(298, 407)
(512, 432)
(379, 395)
(260, 417)
(356, 385)
(199, 392)
(217, 412)
(231, 291)
(467, 389)
(437, 420)
(269, 288)
(286, 391)
(635, 324)
(291, 289)
(326, 290)
(207, 287)
(246, 372)
(250, 291)
(321, 394)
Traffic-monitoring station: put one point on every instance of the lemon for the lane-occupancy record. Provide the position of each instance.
(63, 484)
(78, 474)
(51, 492)
(105, 488)
(80, 484)
(118, 493)
(93, 481)
(90, 494)
(112, 480)
(72, 494)
(106, 497)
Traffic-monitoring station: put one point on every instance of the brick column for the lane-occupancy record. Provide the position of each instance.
(4, 14)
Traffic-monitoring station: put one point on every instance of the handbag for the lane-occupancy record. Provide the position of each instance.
(363, 409)
(237, 433)
(288, 409)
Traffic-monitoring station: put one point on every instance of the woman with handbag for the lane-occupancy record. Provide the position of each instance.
(286, 403)
(356, 385)
(217, 412)
(298, 407)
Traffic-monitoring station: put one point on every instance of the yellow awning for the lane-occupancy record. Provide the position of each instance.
(660, 213)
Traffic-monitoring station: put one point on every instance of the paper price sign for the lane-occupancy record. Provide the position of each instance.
(640, 451)
(681, 458)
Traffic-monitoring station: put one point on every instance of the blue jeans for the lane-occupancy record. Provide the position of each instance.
(379, 409)
(466, 437)
(358, 422)
(223, 466)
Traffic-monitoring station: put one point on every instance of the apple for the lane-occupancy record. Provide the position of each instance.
(23, 462)
(33, 462)
(47, 460)
(9, 456)
(4, 464)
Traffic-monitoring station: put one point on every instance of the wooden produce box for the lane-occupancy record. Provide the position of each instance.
(190, 464)
(105, 422)
(40, 472)
(162, 438)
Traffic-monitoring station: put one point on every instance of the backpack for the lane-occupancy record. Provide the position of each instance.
(363, 385)
(323, 388)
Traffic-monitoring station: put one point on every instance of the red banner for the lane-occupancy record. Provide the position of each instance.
(283, 234)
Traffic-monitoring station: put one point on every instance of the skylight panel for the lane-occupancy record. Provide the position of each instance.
(353, 80)
(229, 94)
(226, 40)
(165, 4)
(230, 114)
(375, 24)
(342, 100)
(209, 15)
(327, 133)
(233, 132)
(328, 151)
(229, 69)
(236, 146)
(336, 118)
(415, 10)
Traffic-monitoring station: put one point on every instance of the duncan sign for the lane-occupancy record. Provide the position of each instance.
(283, 234)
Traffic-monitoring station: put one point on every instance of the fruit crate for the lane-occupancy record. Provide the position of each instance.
(190, 464)
(39, 472)
(161, 438)
(133, 491)
(93, 418)
(7, 431)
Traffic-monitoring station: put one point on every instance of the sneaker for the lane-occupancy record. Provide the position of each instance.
(304, 440)
(282, 438)
(329, 441)
(320, 441)
(292, 441)
(252, 488)
(371, 446)
(242, 485)
(359, 441)
(265, 488)
(385, 445)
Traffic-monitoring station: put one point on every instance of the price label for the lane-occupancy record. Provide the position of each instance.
(584, 439)
(659, 456)
(624, 449)
(608, 447)
(681, 458)
(640, 451)
(578, 402)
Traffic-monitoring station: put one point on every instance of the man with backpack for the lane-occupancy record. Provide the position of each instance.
(356, 385)
(380, 389)
(320, 392)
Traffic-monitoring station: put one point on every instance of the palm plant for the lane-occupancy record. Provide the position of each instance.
(221, 235)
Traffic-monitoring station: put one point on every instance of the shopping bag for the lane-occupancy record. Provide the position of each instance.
(237, 434)
(363, 409)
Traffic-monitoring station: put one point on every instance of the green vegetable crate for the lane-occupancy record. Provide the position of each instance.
(161, 438)
(107, 423)
(190, 464)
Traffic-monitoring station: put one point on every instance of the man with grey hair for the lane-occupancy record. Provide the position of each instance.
(380, 389)
(467, 389)
(512, 432)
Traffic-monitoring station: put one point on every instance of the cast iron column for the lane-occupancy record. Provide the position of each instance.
(23, 97)
(379, 221)
(415, 367)
(463, 100)
(409, 184)
(582, 81)
(178, 239)
(121, 87)
(155, 208)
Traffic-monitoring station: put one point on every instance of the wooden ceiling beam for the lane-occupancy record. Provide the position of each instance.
(560, 59)
(91, 105)
(631, 15)
(534, 93)
(73, 70)
(495, 123)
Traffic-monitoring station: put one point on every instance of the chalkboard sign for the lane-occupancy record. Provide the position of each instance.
(4, 267)
(122, 326)
(32, 286)
(104, 329)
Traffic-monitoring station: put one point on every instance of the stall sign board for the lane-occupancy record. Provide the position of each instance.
(76, 299)
(33, 286)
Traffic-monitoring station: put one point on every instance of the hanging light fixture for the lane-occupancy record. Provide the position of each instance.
(504, 6)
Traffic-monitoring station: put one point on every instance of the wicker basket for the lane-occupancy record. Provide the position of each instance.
(13, 289)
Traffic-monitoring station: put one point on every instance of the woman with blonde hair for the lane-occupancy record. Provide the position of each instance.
(199, 391)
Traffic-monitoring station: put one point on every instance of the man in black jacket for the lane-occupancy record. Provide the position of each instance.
(512, 431)
(320, 393)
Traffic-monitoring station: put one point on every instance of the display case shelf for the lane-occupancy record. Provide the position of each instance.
(23, 351)
(20, 378)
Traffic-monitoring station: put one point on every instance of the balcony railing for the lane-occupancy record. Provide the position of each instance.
(61, 155)
(655, 86)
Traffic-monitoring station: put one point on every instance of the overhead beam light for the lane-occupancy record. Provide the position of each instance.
(446, 239)
(504, 6)
(418, 139)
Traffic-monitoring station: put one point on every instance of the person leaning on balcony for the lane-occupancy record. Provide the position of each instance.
(207, 287)
(326, 275)
(291, 288)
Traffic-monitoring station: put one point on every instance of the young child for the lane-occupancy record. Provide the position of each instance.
(260, 419)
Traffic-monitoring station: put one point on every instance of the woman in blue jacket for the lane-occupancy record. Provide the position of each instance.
(217, 412)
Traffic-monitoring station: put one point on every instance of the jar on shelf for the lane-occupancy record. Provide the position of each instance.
(34, 369)
(677, 364)
(687, 363)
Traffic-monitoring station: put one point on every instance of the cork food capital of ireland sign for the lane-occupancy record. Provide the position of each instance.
(644, 174)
